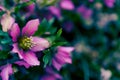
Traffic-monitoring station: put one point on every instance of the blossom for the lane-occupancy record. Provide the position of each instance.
(6, 71)
(62, 57)
(105, 74)
(25, 44)
(6, 21)
(2, 8)
(68, 26)
(67, 4)
(51, 75)
(109, 3)
(55, 11)
(84, 12)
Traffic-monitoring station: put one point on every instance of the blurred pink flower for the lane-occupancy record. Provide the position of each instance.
(67, 4)
(105, 74)
(25, 44)
(55, 11)
(2, 8)
(62, 57)
(84, 12)
(6, 71)
(51, 75)
(6, 22)
(109, 3)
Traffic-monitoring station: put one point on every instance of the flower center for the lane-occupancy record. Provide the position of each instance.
(26, 42)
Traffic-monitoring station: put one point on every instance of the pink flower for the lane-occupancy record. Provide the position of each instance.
(6, 22)
(6, 71)
(109, 3)
(84, 12)
(67, 4)
(2, 8)
(25, 44)
(51, 75)
(62, 57)
(55, 11)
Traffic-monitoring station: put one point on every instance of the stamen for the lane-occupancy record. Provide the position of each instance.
(26, 42)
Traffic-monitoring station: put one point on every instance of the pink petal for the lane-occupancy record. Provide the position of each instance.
(56, 64)
(16, 50)
(2, 8)
(55, 11)
(65, 49)
(6, 71)
(63, 59)
(7, 22)
(67, 4)
(22, 63)
(30, 28)
(40, 44)
(31, 58)
(15, 32)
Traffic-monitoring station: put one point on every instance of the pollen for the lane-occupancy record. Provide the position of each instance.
(26, 42)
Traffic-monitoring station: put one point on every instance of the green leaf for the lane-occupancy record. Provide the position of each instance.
(59, 33)
(1, 13)
(3, 55)
(46, 59)
(42, 28)
(51, 21)
(46, 28)
(59, 43)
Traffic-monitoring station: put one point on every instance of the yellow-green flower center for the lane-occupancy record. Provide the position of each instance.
(26, 42)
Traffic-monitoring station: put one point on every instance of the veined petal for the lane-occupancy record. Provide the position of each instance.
(16, 50)
(30, 28)
(6, 71)
(22, 63)
(56, 64)
(31, 58)
(15, 32)
(63, 59)
(65, 49)
(7, 22)
(40, 44)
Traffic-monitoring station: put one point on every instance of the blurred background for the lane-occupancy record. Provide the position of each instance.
(91, 26)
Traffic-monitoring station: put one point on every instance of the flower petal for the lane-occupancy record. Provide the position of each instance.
(7, 22)
(6, 71)
(15, 32)
(31, 58)
(40, 44)
(16, 50)
(56, 64)
(63, 59)
(67, 4)
(22, 63)
(30, 27)
(55, 11)
(65, 49)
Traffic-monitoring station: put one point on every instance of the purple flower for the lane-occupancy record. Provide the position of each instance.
(84, 12)
(109, 3)
(90, 0)
(55, 11)
(67, 4)
(25, 44)
(62, 57)
(6, 71)
(51, 75)
(6, 22)
(68, 26)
